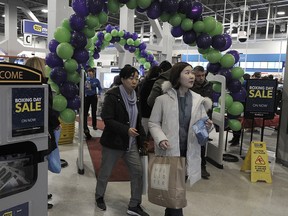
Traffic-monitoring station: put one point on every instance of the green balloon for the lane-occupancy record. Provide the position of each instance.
(65, 50)
(68, 116)
(210, 24)
(214, 56)
(187, 24)
(62, 34)
(241, 80)
(59, 103)
(131, 4)
(198, 26)
(227, 61)
(90, 33)
(216, 109)
(130, 41)
(89, 45)
(165, 17)
(122, 42)
(113, 6)
(74, 77)
(147, 65)
(70, 65)
(143, 3)
(183, 16)
(142, 61)
(228, 100)
(91, 63)
(218, 29)
(103, 17)
(236, 108)
(175, 20)
(234, 124)
(203, 51)
(107, 37)
(92, 21)
(66, 24)
(237, 72)
(216, 87)
(121, 33)
(54, 86)
(114, 32)
(47, 71)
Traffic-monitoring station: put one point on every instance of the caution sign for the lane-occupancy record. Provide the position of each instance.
(256, 160)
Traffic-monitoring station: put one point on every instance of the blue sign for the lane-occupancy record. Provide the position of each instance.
(27, 111)
(35, 28)
(20, 210)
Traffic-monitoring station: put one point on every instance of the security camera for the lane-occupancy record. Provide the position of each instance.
(242, 36)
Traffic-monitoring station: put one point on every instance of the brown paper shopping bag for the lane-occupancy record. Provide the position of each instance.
(166, 181)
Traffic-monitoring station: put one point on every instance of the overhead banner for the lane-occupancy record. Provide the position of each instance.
(261, 98)
(35, 28)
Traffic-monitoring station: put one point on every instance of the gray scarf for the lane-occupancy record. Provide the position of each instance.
(130, 104)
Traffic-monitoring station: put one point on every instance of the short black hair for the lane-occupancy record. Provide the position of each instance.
(153, 72)
(127, 71)
(165, 65)
(175, 73)
(198, 68)
(91, 70)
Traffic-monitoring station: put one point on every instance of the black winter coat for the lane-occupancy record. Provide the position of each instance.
(116, 119)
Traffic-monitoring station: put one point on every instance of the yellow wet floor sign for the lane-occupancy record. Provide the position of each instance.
(256, 160)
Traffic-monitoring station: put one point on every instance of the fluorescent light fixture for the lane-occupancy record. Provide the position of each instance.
(44, 10)
(135, 16)
(281, 13)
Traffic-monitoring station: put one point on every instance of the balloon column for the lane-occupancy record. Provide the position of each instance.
(75, 46)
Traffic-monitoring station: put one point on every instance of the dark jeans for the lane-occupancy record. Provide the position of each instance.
(173, 212)
(203, 159)
(90, 101)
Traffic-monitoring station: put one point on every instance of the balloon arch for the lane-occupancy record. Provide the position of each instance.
(75, 46)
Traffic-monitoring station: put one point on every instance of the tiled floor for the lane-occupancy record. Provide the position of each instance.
(227, 192)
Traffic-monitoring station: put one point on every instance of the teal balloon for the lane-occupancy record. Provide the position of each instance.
(198, 26)
(236, 108)
(187, 24)
(234, 124)
(237, 72)
(92, 21)
(65, 50)
(62, 34)
(68, 116)
(70, 65)
(214, 56)
(175, 20)
(59, 103)
(210, 24)
(103, 17)
(131, 4)
(143, 3)
(74, 77)
(227, 61)
(216, 87)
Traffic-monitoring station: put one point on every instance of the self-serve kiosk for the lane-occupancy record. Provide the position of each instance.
(23, 141)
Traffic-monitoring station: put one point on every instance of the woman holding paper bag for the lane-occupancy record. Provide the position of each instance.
(176, 111)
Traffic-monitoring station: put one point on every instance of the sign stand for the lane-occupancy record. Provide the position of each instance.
(256, 160)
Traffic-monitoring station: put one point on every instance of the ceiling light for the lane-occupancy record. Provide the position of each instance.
(44, 11)
(281, 13)
(3, 15)
(135, 16)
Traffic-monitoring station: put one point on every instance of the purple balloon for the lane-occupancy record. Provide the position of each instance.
(126, 35)
(81, 55)
(228, 42)
(213, 68)
(80, 7)
(134, 36)
(58, 75)
(100, 36)
(236, 55)
(78, 39)
(74, 103)
(240, 95)
(204, 41)
(154, 10)
(98, 43)
(95, 6)
(170, 6)
(126, 46)
(226, 73)
(142, 46)
(53, 60)
(53, 45)
(132, 49)
(140, 10)
(177, 31)
(69, 90)
(123, 1)
(96, 55)
(234, 86)
(109, 28)
(77, 22)
(218, 42)
(189, 37)
(184, 6)
(195, 11)
(105, 8)
(150, 58)
(143, 53)
(215, 96)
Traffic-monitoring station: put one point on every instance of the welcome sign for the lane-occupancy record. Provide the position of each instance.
(261, 98)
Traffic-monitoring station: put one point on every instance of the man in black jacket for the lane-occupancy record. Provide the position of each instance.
(203, 87)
